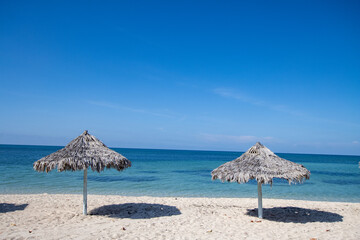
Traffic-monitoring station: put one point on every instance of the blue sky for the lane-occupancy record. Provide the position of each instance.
(206, 75)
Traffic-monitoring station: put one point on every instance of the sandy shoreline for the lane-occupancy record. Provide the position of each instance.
(57, 216)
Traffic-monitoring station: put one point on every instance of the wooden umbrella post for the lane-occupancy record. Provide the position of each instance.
(260, 209)
(85, 151)
(85, 193)
(263, 165)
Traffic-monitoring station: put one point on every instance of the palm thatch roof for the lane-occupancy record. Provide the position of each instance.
(83, 152)
(261, 164)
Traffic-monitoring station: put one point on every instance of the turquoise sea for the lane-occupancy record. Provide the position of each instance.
(178, 173)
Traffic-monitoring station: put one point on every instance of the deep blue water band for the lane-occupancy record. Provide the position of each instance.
(178, 173)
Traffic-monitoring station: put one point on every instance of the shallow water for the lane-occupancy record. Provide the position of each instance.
(178, 173)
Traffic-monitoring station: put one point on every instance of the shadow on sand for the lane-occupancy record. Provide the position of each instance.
(135, 210)
(296, 215)
(10, 207)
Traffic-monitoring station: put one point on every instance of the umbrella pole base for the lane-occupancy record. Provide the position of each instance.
(260, 209)
(85, 193)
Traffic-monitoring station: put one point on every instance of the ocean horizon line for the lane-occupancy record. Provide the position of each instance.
(188, 150)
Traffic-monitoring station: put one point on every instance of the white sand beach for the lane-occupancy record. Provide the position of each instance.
(57, 216)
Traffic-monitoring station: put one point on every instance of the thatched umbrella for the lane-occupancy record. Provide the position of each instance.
(263, 165)
(81, 153)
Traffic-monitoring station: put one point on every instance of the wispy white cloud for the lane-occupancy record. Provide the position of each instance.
(225, 92)
(103, 104)
(233, 139)
(136, 110)
(229, 93)
(233, 94)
